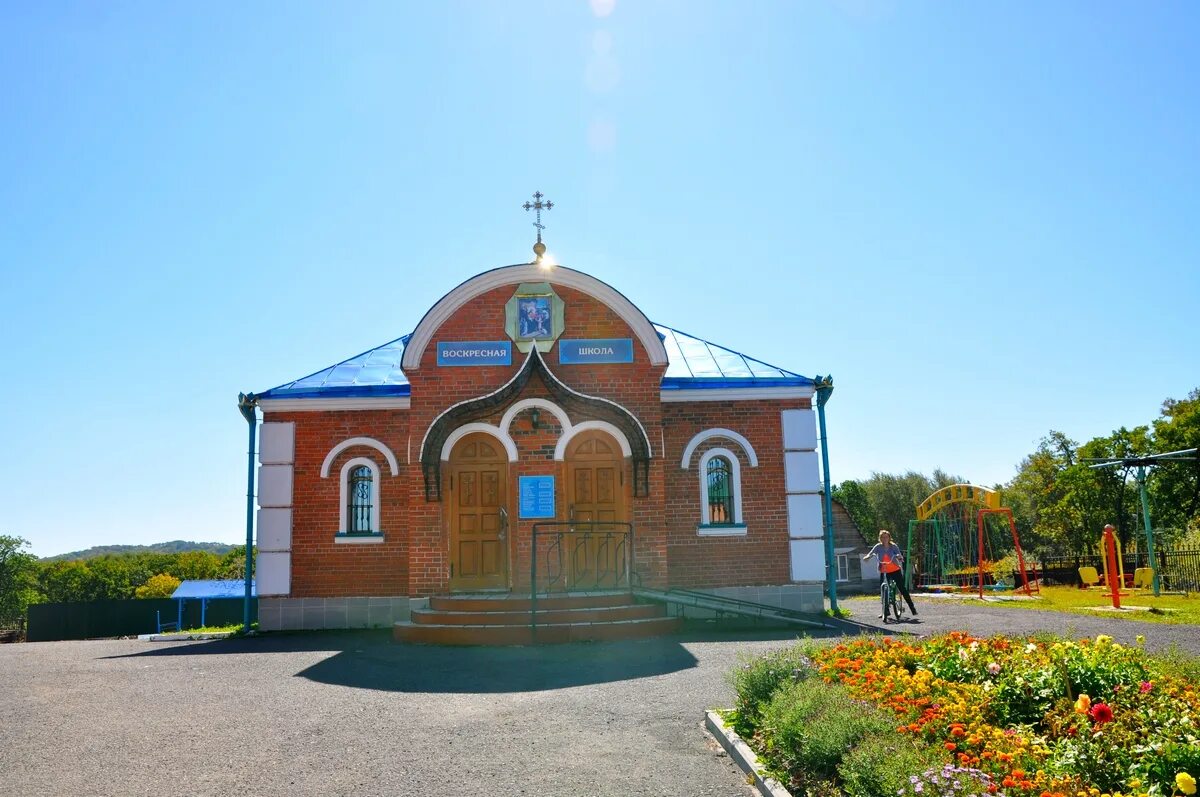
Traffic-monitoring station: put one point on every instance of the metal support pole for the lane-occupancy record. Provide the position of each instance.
(1141, 480)
(824, 387)
(246, 405)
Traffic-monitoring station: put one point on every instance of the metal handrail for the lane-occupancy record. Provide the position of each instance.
(584, 531)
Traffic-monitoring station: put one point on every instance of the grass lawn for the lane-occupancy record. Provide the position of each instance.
(1175, 609)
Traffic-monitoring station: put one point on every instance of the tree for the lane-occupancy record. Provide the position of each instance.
(851, 495)
(1175, 488)
(161, 586)
(18, 574)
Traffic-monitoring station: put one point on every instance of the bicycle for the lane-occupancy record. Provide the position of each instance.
(891, 600)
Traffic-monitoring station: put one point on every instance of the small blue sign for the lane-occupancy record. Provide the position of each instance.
(537, 496)
(474, 352)
(584, 352)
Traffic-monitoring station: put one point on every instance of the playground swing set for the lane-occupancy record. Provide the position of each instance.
(964, 540)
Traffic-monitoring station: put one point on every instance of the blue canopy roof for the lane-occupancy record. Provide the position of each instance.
(693, 363)
(232, 588)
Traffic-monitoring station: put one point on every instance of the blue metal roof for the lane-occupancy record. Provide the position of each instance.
(233, 588)
(375, 372)
(693, 363)
(696, 364)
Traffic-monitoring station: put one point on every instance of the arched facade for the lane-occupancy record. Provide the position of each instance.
(588, 412)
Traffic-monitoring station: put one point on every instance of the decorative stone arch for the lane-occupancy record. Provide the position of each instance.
(359, 441)
(700, 437)
(478, 285)
(565, 398)
(564, 440)
(498, 432)
(524, 404)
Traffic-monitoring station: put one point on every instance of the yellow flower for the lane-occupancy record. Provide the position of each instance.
(1141, 640)
(1103, 639)
(1083, 704)
(1185, 783)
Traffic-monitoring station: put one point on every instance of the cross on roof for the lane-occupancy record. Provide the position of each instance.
(538, 205)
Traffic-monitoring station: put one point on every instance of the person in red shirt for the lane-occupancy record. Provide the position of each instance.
(891, 560)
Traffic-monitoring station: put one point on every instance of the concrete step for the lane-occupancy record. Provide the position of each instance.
(602, 614)
(552, 633)
(508, 602)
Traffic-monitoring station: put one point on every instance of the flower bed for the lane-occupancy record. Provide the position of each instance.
(955, 715)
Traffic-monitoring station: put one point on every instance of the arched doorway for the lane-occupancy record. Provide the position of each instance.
(478, 514)
(596, 491)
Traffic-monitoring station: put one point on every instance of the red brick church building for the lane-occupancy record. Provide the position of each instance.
(534, 395)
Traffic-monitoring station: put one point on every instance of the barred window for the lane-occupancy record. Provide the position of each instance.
(358, 509)
(720, 491)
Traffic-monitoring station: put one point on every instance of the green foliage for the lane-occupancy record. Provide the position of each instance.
(853, 496)
(756, 679)
(118, 577)
(808, 727)
(18, 571)
(161, 586)
(172, 547)
(881, 764)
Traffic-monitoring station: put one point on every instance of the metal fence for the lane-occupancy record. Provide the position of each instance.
(49, 622)
(1178, 569)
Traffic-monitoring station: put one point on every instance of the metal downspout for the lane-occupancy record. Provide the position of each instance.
(246, 404)
(824, 387)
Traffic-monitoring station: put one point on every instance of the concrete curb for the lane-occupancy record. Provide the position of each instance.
(741, 753)
(181, 637)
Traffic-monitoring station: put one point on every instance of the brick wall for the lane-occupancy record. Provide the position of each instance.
(761, 556)
(414, 557)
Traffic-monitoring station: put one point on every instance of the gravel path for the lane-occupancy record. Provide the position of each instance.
(356, 714)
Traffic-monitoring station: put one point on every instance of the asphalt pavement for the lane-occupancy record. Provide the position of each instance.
(354, 713)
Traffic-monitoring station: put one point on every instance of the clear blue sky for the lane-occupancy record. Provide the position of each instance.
(981, 218)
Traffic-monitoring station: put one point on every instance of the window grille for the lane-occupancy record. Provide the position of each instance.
(720, 492)
(359, 509)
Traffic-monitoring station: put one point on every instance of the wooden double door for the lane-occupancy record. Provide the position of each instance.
(592, 555)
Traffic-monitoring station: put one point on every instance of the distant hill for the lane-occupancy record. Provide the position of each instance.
(175, 546)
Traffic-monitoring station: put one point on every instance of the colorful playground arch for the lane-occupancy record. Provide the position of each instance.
(956, 493)
(964, 538)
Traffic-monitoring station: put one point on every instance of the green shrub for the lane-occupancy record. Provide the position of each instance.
(809, 726)
(757, 679)
(881, 764)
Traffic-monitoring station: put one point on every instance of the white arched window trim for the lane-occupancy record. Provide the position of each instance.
(706, 529)
(343, 534)
(700, 437)
(359, 441)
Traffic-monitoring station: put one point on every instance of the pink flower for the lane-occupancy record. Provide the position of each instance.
(1146, 686)
(993, 668)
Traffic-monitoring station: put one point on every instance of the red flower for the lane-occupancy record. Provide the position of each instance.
(1101, 713)
(951, 746)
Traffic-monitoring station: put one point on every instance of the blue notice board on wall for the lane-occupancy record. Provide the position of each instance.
(536, 496)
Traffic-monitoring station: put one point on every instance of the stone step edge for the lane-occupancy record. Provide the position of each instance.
(525, 612)
(465, 626)
(743, 756)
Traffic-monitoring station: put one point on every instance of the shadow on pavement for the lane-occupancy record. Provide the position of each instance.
(372, 660)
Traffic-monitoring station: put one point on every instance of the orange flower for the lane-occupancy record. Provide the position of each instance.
(951, 746)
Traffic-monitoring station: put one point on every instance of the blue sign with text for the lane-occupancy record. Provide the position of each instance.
(536, 496)
(474, 352)
(583, 352)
